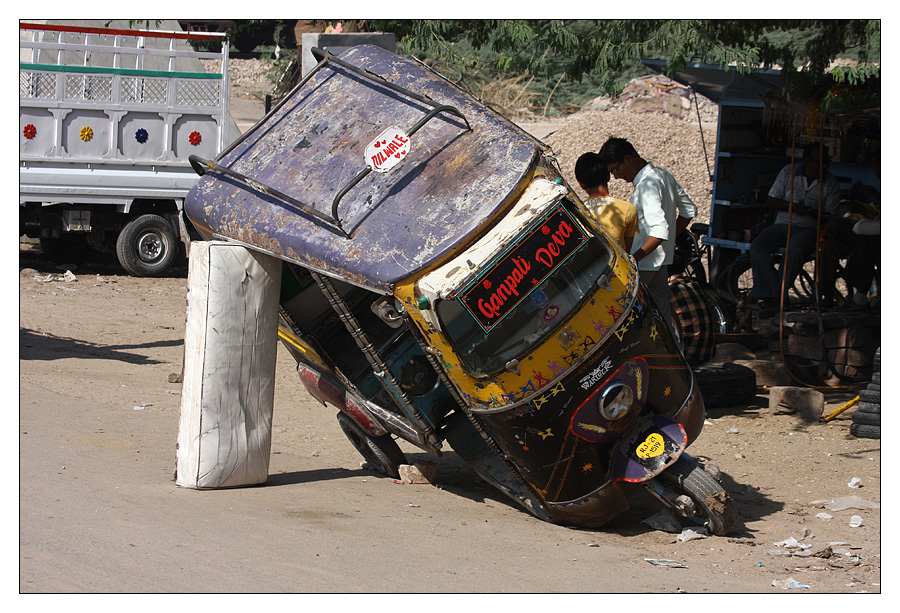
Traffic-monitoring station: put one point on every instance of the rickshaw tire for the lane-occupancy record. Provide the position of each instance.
(865, 431)
(868, 419)
(688, 477)
(381, 452)
(725, 385)
(870, 407)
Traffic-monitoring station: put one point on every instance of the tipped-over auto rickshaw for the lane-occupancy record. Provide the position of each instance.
(443, 285)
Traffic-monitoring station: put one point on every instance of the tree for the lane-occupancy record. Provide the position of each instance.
(803, 48)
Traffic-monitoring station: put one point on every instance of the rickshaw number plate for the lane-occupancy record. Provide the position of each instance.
(652, 446)
(387, 150)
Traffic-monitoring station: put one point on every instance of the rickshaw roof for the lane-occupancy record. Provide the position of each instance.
(311, 148)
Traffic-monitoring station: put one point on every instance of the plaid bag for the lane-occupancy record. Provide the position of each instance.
(694, 318)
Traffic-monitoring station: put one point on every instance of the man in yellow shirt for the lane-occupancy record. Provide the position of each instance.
(619, 218)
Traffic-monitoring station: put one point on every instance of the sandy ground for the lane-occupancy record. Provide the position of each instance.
(100, 511)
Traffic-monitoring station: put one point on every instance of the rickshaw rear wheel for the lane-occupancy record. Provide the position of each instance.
(381, 452)
(686, 476)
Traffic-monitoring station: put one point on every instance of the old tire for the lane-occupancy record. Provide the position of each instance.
(870, 395)
(725, 385)
(716, 508)
(870, 407)
(147, 246)
(381, 452)
(868, 419)
(865, 431)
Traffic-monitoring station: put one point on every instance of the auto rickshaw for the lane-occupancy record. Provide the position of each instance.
(444, 286)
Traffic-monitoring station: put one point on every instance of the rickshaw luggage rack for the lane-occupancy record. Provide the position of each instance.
(200, 165)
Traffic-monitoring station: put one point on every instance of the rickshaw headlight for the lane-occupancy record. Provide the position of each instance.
(615, 401)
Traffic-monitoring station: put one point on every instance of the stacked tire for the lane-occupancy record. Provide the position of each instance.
(867, 417)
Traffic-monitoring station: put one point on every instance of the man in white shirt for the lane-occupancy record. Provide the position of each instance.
(809, 196)
(664, 211)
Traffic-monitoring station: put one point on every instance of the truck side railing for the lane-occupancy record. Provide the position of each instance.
(158, 104)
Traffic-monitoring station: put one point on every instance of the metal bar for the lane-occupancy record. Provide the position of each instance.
(121, 71)
(364, 172)
(111, 31)
(382, 372)
(323, 55)
(197, 164)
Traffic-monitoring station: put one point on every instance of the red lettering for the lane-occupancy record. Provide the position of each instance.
(486, 309)
(543, 256)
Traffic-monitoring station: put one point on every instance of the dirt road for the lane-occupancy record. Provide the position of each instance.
(100, 511)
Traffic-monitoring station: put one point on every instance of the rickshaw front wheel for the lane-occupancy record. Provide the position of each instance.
(381, 452)
(715, 506)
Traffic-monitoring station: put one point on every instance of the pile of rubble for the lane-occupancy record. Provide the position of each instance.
(659, 118)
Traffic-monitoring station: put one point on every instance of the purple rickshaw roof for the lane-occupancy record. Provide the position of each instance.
(392, 224)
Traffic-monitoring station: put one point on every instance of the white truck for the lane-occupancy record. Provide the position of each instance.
(108, 118)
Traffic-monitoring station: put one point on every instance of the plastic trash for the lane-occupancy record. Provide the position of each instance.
(823, 515)
(689, 534)
(845, 502)
(854, 483)
(856, 521)
(666, 563)
(788, 583)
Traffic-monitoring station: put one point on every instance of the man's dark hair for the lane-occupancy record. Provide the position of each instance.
(590, 170)
(614, 150)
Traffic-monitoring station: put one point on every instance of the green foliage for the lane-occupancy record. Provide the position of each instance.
(569, 62)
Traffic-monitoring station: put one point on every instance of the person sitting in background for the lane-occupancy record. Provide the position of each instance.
(810, 197)
(618, 218)
(856, 238)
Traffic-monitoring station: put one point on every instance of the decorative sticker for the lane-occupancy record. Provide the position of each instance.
(29, 131)
(141, 135)
(387, 150)
(194, 138)
(86, 134)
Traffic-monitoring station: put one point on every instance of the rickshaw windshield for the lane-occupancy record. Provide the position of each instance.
(536, 313)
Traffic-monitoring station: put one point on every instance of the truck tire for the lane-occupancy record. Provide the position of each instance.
(147, 246)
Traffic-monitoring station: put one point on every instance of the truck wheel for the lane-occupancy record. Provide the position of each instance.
(147, 246)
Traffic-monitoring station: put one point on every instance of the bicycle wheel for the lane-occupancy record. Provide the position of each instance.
(740, 279)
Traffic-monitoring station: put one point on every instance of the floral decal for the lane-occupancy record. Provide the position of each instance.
(86, 133)
(194, 138)
(141, 135)
(29, 131)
